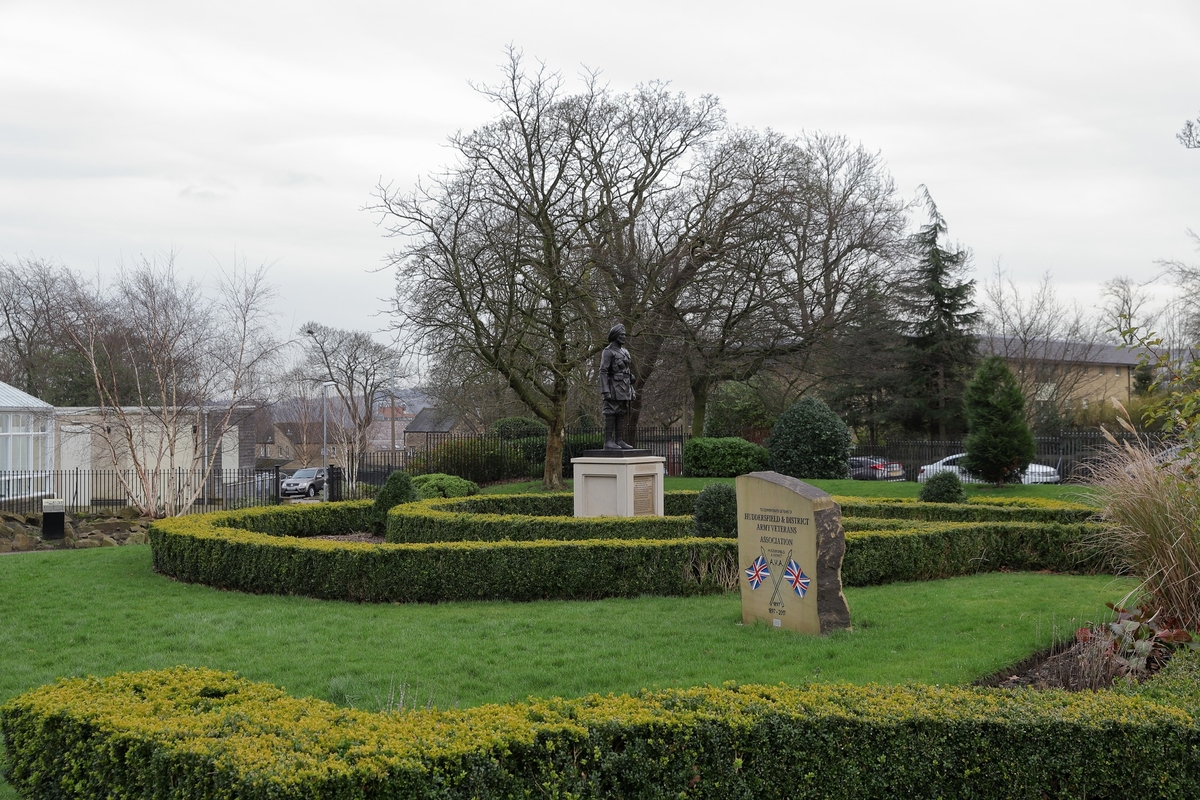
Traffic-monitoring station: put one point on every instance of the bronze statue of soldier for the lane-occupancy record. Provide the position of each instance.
(616, 388)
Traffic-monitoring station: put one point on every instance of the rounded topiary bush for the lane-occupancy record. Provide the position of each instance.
(398, 489)
(810, 441)
(723, 457)
(439, 484)
(716, 511)
(943, 487)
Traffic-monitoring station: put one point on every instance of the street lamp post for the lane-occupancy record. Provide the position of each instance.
(324, 437)
(393, 415)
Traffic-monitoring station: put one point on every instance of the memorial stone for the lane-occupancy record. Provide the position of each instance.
(790, 549)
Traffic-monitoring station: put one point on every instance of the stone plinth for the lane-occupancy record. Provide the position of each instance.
(790, 549)
(628, 484)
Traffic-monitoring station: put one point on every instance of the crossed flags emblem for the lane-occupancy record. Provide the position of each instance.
(793, 576)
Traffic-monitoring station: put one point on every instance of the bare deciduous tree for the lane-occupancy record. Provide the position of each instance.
(1049, 345)
(35, 352)
(173, 369)
(1125, 309)
(1189, 135)
(299, 409)
(361, 370)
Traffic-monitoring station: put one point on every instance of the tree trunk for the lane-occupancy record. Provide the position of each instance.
(552, 480)
(699, 405)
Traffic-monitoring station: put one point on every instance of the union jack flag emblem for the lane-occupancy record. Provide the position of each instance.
(757, 572)
(796, 578)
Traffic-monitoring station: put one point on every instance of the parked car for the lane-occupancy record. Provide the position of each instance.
(870, 468)
(1035, 473)
(305, 482)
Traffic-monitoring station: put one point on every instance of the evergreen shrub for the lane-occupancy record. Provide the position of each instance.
(943, 487)
(518, 428)
(723, 457)
(999, 442)
(716, 511)
(810, 441)
(439, 484)
(396, 490)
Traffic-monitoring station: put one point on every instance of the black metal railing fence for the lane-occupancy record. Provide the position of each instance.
(1070, 452)
(481, 458)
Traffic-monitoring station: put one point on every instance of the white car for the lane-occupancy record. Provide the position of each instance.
(1036, 473)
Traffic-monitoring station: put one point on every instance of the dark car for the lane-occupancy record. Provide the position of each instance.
(305, 482)
(870, 468)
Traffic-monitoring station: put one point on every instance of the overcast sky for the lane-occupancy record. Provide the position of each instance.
(1044, 130)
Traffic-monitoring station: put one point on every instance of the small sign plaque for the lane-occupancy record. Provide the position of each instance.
(643, 495)
(54, 505)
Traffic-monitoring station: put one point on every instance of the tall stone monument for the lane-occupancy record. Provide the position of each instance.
(790, 548)
(619, 480)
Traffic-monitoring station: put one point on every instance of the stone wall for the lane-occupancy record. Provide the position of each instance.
(21, 533)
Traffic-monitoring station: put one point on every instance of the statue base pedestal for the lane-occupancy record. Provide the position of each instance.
(627, 483)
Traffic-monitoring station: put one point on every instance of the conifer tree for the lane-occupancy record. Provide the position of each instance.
(1000, 443)
(941, 348)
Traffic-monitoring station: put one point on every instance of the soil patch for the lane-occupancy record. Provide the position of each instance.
(1071, 666)
(369, 538)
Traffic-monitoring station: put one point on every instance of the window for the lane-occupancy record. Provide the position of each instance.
(24, 453)
(24, 442)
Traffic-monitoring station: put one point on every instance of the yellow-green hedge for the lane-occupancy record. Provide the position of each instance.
(907, 550)
(223, 551)
(258, 550)
(201, 734)
(989, 510)
(520, 518)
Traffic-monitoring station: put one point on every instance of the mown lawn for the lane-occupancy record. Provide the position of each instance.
(104, 610)
(1072, 492)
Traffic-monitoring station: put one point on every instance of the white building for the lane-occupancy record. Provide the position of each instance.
(26, 444)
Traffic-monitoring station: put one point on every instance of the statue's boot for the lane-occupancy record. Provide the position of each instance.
(621, 443)
(610, 433)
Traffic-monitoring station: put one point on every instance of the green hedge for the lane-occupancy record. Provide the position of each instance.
(722, 457)
(256, 551)
(439, 484)
(468, 519)
(965, 512)
(682, 503)
(902, 550)
(223, 550)
(202, 734)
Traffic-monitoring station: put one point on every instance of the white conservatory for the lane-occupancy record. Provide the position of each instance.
(26, 444)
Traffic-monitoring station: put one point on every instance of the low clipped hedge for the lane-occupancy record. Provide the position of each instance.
(246, 551)
(542, 554)
(520, 518)
(886, 551)
(1044, 511)
(202, 734)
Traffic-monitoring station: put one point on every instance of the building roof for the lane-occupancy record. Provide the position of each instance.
(385, 413)
(13, 399)
(432, 420)
(1058, 350)
(297, 432)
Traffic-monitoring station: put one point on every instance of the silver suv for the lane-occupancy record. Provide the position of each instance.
(305, 482)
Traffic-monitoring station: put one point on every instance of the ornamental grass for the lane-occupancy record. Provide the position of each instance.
(1151, 507)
